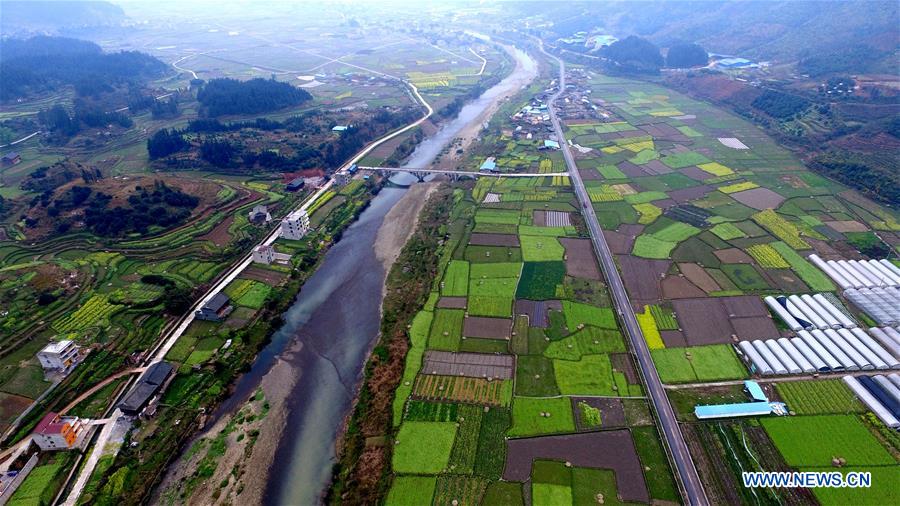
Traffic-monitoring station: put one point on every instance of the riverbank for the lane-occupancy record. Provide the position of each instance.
(246, 441)
(364, 456)
(400, 222)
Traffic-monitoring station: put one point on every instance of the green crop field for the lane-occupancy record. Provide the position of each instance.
(410, 490)
(583, 314)
(876, 495)
(819, 397)
(456, 279)
(705, 363)
(446, 329)
(812, 441)
(423, 447)
(540, 279)
(745, 276)
(592, 375)
(676, 232)
(541, 416)
(727, 231)
(490, 305)
(681, 160)
(810, 274)
(541, 249)
(503, 216)
(665, 318)
(495, 270)
(648, 246)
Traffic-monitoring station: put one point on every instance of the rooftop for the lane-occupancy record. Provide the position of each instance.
(732, 410)
(217, 302)
(56, 346)
(755, 391)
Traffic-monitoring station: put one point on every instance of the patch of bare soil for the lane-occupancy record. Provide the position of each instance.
(249, 436)
(400, 222)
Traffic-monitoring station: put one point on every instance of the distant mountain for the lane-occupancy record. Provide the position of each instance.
(779, 30)
(18, 18)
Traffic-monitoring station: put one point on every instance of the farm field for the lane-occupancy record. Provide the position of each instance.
(565, 345)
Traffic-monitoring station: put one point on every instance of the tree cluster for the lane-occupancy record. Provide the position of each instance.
(62, 126)
(634, 55)
(224, 153)
(852, 60)
(230, 96)
(40, 64)
(159, 205)
(686, 55)
(166, 142)
(780, 105)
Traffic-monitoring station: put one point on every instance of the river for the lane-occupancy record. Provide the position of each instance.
(335, 320)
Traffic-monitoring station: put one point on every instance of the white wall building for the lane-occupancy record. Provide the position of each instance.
(59, 356)
(295, 226)
(263, 254)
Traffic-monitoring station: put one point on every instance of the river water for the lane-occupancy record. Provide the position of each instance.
(336, 319)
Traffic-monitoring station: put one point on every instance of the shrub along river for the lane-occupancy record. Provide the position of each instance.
(331, 327)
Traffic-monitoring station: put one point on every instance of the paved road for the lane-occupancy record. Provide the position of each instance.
(687, 472)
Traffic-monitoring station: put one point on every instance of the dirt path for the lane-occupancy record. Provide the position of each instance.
(100, 385)
(400, 222)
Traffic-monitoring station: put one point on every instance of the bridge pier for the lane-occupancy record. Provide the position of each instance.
(420, 176)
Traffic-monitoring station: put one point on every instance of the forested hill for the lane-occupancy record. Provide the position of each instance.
(230, 96)
(41, 64)
(778, 29)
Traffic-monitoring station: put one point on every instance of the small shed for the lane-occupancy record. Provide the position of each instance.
(755, 391)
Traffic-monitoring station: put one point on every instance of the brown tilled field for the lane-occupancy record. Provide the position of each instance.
(676, 287)
(611, 449)
(266, 276)
(698, 276)
(759, 198)
(452, 302)
(488, 328)
(580, 259)
(642, 277)
(612, 413)
(714, 320)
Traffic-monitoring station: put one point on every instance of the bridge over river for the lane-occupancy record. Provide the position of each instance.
(420, 173)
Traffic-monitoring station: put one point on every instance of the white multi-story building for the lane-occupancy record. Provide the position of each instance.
(58, 356)
(263, 254)
(56, 432)
(296, 225)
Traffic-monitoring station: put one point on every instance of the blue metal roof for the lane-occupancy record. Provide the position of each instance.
(732, 410)
(755, 391)
(551, 144)
(489, 164)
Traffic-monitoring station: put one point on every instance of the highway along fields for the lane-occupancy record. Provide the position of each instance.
(706, 216)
